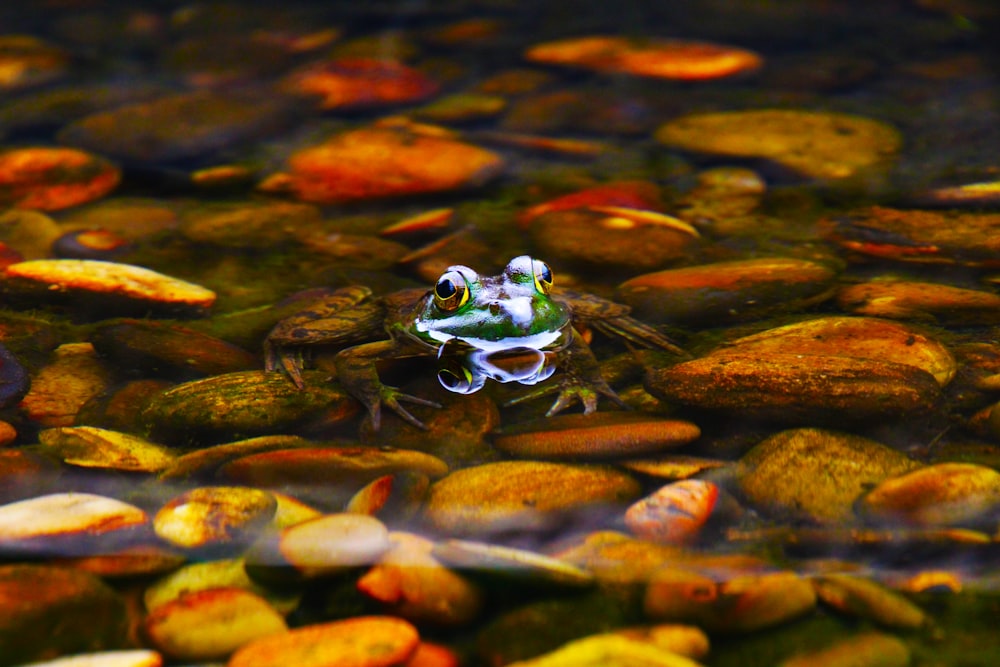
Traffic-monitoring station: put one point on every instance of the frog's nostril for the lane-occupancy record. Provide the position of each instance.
(494, 308)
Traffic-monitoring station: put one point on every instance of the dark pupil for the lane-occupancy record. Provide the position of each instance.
(546, 275)
(449, 379)
(446, 289)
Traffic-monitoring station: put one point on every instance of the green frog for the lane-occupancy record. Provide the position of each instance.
(519, 309)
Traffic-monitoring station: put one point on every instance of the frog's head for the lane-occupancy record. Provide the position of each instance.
(513, 309)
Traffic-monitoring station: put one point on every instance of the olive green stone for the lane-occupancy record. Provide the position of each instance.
(815, 475)
(521, 495)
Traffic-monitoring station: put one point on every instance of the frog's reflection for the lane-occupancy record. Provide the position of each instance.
(465, 371)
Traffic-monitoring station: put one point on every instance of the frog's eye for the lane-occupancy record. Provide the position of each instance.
(451, 291)
(543, 276)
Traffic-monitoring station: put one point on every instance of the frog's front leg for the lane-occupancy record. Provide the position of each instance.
(358, 374)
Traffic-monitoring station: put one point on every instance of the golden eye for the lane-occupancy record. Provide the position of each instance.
(542, 275)
(451, 291)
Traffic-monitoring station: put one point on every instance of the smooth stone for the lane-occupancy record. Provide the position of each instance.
(868, 649)
(675, 513)
(686, 640)
(815, 475)
(511, 563)
(866, 599)
(364, 641)
(384, 161)
(181, 126)
(810, 144)
(912, 300)
(357, 83)
(68, 524)
(215, 516)
(658, 58)
(51, 611)
(133, 658)
(140, 560)
(600, 435)
(328, 476)
(743, 603)
(74, 376)
(211, 624)
(170, 350)
(204, 462)
(522, 495)
(607, 649)
(672, 466)
(393, 498)
(639, 195)
(15, 382)
(796, 388)
(727, 291)
(856, 337)
(332, 544)
(411, 583)
(250, 225)
(215, 574)
(920, 236)
(618, 559)
(243, 404)
(942, 494)
(109, 286)
(53, 178)
(92, 447)
(618, 238)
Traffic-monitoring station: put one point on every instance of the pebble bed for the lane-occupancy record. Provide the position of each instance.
(778, 228)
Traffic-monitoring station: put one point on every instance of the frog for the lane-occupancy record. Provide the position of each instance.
(518, 309)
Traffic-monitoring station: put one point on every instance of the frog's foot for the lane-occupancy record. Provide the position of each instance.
(391, 397)
(290, 362)
(587, 395)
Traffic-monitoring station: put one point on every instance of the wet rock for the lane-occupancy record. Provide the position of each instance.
(132, 218)
(618, 559)
(869, 600)
(809, 144)
(365, 641)
(242, 404)
(612, 237)
(99, 244)
(28, 233)
(659, 58)
(869, 649)
(130, 562)
(521, 495)
(60, 389)
(686, 640)
(412, 584)
(725, 200)
(204, 462)
(28, 61)
(251, 225)
(84, 284)
(50, 179)
(51, 611)
(574, 111)
(384, 161)
(133, 658)
(639, 195)
(675, 513)
(967, 195)
(898, 299)
(226, 574)
(815, 475)
(391, 498)
(913, 235)
(176, 127)
(68, 524)
(461, 108)
(607, 649)
(23, 474)
(54, 107)
(943, 494)
(218, 517)
(601, 435)
(163, 348)
(672, 466)
(355, 83)
(324, 546)
(501, 562)
(92, 447)
(744, 603)
(727, 291)
(211, 624)
(329, 475)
